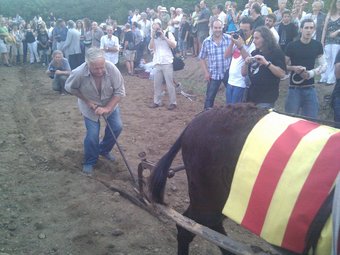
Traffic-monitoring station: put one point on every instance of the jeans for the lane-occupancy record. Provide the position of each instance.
(336, 108)
(92, 147)
(212, 89)
(234, 94)
(304, 99)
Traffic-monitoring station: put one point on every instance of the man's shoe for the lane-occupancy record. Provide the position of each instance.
(172, 107)
(87, 170)
(109, 156)
(154, 105)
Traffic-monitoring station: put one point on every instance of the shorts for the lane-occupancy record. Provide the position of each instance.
(129, 55)
(3, 47)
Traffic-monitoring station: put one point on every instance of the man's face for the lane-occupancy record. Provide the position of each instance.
(97, 67)
(269, 22)
(307, 30)
(286, 19)
(94, 26)
(245, 27)
(202, 4)
(282, 5)
(217, 28)
(109, 31)
(57, 58)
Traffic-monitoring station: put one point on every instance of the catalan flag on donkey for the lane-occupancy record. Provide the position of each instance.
(285, 172)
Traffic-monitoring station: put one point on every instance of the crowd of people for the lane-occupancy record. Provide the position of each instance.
(250, 51)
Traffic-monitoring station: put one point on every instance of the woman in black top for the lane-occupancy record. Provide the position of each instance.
(265, 67)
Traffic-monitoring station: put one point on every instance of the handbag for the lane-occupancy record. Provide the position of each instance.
(178, 63)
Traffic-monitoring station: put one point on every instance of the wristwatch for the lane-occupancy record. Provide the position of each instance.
(268, 65)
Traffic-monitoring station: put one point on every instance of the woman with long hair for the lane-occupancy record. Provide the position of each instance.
(331, 41)
(265, 68)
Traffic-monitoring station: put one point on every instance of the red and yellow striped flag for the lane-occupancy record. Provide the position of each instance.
(285, 172)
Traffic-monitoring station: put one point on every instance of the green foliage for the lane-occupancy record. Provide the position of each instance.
(101, 9)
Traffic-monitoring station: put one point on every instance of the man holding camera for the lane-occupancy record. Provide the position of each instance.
(59, 69)
(161, 44)
(243, 46)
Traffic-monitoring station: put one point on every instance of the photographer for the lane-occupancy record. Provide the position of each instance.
(265, 68)
(59, 69)
(161, 44)
(243, 45)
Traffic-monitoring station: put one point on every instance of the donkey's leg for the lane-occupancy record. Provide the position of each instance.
(184, 237)
(219, 228)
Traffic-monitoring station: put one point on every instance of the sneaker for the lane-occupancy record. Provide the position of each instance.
(109, 156)
(172, 107)
(87, 170)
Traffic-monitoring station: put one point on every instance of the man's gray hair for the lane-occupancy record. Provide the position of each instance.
(71, 24)
(57, 52)
(93, 54)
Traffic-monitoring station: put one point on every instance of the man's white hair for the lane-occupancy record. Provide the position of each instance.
(93, 54)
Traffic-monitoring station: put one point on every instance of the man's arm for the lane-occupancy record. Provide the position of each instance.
(337, 70)
(205, 69)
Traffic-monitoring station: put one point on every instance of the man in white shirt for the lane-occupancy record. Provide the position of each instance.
(243, 46)
(221, 14)
(110, 44)
(270, 22)
(161, 44)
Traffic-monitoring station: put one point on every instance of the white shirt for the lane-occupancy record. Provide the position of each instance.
(162, 52)
(145, 27)
(106, 42)
(235, 77)
(222, 17)
(178, 20)
(275, 34)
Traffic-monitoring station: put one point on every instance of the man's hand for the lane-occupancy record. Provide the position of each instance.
(102, 110)
(299, 69)
(92, 105)
(207, 76)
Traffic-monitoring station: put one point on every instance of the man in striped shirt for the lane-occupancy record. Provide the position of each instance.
(214, 63)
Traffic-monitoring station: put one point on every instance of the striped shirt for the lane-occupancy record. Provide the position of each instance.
(217, 63)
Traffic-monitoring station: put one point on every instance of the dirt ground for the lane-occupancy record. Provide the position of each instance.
(48, 207)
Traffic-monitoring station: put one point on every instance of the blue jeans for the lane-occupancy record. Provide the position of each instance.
(234, 94)
(304, 99)
(336, 108)
(92, 147)
(212, 89)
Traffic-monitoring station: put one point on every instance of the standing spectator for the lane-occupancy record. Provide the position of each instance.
(81, 30)
(176, 22)
(59, 33)
(51, 18)
(217, 68)
(194, 18)
(58, 70)
(265, 69)
(237, 83)
(96, 34)
(279, 12)
(164, 17)
(31, 44)
(255, 13)
(43, 45)
(287, 30)
(87, 34)
(264, 8)
(17, 50)
(161, 45)
(331, 41)
(145, 27)
(135, 17)
(183, 36)
(129, 18)
(129, 49)
(336, 91)
(3, 47)
(95, 101)
(270, 22)
(246, 11)
(231, 16)
(202, 24)
(117, 31)
(318, 17)
(139, 43)
(301, 57)
(71, 46)
(110, 44)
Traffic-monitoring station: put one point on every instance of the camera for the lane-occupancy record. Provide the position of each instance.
(252, 60)
(52, 72)
(237, 34)
(158, 34)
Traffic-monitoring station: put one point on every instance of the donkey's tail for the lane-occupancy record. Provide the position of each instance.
(159, 174)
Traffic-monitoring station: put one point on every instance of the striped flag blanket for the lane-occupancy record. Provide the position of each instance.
(286, 170)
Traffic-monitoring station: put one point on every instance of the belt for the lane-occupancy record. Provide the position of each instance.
(301, 87)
